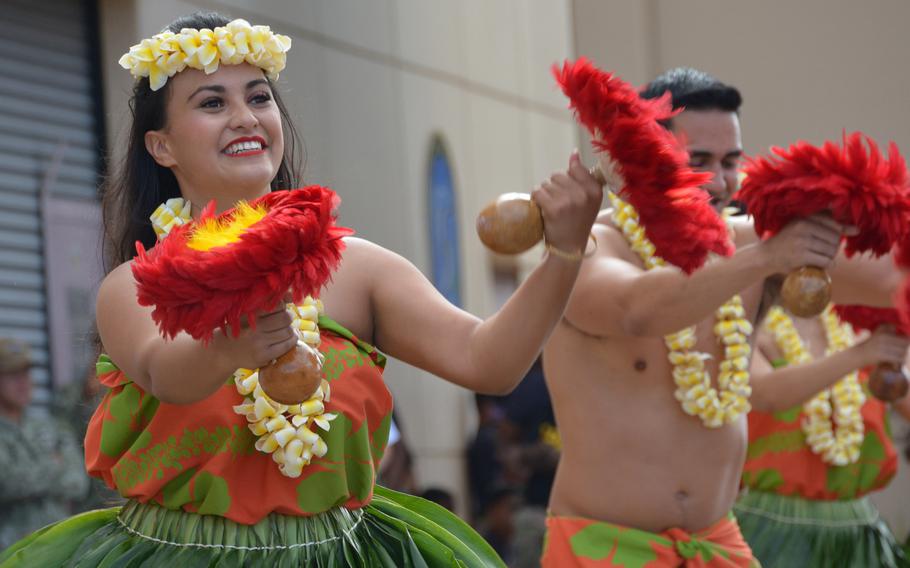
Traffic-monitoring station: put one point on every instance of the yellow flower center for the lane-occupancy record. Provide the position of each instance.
(214, 232)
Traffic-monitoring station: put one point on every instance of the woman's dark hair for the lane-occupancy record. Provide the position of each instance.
(132, 192)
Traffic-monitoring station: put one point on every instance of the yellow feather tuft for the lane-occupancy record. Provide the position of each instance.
(213, 233)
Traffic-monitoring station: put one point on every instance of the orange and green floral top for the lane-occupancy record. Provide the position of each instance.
(779, 460)
(201, 457)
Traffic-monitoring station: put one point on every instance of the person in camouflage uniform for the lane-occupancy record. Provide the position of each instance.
(41, 461)
(74, 405)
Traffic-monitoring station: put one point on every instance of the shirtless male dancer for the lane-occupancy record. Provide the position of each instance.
(639, 480)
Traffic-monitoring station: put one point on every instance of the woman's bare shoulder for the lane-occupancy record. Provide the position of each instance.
(361, 254)
(116, 282)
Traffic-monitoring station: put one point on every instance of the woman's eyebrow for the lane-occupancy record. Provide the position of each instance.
(220, 89)
(216, 88)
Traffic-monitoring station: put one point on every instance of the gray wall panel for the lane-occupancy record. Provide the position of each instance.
(46, 101)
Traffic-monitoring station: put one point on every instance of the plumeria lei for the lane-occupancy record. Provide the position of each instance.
(843, 401)
(165, 54)
(284, 431)
(730, 400)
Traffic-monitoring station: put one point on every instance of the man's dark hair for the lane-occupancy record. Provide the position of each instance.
(694, 90)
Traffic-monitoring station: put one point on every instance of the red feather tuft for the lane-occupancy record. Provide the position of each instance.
(859, 188)
(675, 213)
(869, 318)
(295, 247)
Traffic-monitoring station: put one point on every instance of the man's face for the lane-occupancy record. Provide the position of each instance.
(714, 143)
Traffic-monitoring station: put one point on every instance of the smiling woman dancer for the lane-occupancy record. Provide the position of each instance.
(203, 491)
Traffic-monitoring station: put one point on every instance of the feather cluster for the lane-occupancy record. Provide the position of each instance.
(675, 212)
(296, 246)
(868, 318)
(853, 181)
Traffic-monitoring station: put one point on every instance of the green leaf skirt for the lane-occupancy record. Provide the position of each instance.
(791, 531)
(395, 530)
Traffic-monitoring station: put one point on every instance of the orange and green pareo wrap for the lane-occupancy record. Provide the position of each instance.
(583, 543)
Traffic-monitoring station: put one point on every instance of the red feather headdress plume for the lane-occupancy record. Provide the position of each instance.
(859, 188)
(676, 214)
(215, 271)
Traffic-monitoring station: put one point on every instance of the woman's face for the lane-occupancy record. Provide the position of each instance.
(223, 137)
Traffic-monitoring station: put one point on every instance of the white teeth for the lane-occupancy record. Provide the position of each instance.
(243, 147)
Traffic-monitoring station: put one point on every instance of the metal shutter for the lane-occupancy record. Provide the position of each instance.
(47, 112)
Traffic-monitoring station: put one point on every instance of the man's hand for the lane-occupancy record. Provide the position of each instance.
(813, 241)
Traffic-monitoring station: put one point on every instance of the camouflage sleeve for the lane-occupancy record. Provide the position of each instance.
(23, 476)
(72, 480)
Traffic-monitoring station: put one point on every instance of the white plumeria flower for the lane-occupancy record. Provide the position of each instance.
(166, 53)
(323, 420)
(199, 48)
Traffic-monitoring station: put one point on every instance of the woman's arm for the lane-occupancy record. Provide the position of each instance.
(865, 280)
(414, 323)
(780, 389)
(182, 370)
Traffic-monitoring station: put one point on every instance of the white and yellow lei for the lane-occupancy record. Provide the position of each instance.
(843, 401)
(284, 431)
(165, 54)
(730, 400)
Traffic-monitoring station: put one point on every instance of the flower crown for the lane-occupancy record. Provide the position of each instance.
(167, 53)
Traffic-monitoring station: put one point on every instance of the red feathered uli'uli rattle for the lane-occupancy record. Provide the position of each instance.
(858, 187)
(887, 381)
(216, 272)
(641, 158)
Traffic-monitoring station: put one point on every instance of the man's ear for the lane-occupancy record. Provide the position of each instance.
(156, 143)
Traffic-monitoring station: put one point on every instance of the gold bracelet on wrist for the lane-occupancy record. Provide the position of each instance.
(574, 256)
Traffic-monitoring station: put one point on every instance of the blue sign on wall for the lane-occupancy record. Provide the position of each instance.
(443, 225)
